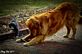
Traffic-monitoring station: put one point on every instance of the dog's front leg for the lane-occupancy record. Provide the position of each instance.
(36, 40)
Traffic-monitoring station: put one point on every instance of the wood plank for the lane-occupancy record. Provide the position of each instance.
(12, 34)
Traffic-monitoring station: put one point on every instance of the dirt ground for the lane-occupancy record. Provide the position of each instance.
(54, 44)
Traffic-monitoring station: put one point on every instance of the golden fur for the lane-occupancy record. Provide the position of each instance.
(48, 23)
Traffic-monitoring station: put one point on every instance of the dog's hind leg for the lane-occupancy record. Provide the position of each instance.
(74, 32)
(68, 31)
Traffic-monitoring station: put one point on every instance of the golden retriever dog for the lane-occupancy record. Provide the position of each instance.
(47, 23)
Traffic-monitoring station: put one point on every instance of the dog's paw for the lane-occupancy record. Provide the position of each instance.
(19, 40)
(72, 38)
(66, 37)
(27, 44)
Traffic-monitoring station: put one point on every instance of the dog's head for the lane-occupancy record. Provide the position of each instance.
(33, 26)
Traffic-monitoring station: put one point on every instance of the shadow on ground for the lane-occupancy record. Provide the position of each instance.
(56, 45)
(48, 47)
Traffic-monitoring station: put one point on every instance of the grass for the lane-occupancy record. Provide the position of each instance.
(9, 7)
